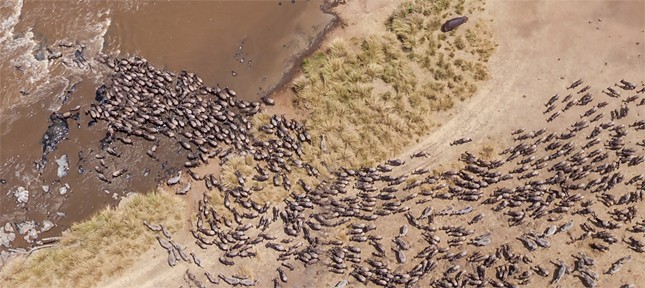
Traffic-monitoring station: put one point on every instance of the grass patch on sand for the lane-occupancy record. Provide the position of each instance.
(243, 166)
(487, 152)
(97, 248)
(368, 98)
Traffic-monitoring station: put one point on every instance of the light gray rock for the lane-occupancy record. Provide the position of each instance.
(47, 225)
(31, 235)
(8, 227)
(63, 166)
(6, 238)
(22, 195)
(55, 55)
(24, 227)
(45, 188)
(63, 190)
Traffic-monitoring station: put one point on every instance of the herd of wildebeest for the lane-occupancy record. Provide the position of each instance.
(559, 206)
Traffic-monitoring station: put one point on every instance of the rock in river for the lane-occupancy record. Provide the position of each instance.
(8, 227)
(55, 133)
(31, 235)
(47, 225)
(6, 237)
(24, 227)
(63, 166)
(63, 189)
(22, 195)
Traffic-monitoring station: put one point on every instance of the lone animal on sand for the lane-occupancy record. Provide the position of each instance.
(453, 23)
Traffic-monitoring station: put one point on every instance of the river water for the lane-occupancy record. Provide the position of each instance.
(48, 52)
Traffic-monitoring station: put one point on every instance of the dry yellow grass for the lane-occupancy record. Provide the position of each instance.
(237, 165)
(246, 271)
(487, 152)
(97, 248)
(243, 165)
(370, 97)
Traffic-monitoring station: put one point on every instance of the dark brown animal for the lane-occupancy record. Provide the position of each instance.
(453, 23)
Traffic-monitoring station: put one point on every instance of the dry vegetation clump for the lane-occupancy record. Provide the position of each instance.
(487, 152)
(370, 97)
(99, 247)
(355, 121)
(243, 166)
(234, 167)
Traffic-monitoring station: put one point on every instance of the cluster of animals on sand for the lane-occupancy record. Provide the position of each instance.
(574, 189)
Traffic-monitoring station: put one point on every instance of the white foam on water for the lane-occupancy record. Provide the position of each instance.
(16, 54)
(7, 26)
(36, 70)
(45, 79)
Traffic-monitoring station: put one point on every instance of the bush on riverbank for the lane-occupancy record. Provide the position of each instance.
(97, 248)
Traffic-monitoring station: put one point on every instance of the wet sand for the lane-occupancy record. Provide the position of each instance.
(257, 40)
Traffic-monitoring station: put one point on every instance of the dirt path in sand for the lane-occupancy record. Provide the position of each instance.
(543, 46)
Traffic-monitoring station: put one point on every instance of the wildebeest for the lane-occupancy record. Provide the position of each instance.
(453, 23)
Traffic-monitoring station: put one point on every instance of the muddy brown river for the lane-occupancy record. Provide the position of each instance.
(48, 64)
